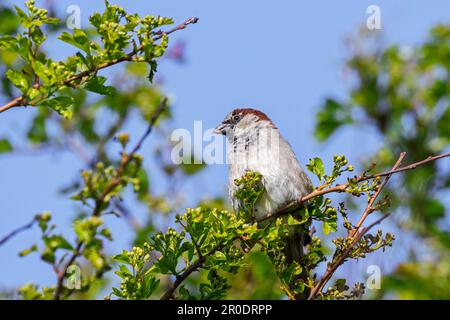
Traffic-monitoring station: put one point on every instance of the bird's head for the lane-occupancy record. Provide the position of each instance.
(242, 119)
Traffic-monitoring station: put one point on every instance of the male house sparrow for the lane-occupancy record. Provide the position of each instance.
(255, 144)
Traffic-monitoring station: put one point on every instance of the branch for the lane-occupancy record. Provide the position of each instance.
(130, 55)
(22, 101)
(126, 159)
(200, 261)
(29, 225)
(332, 268)
(355, 235)
(343, 187)
(17, 102)
(411, 166)
(179, 279)
(62, 273)
(186, 273)
(375, 196)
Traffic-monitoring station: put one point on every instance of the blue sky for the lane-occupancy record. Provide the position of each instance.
(281, 57)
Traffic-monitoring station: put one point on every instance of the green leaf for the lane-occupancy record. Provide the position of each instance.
(153, 69)
(10, 21)
(117, 292)
(97, 85)
(184, 293)
(8, 42)
(123, 257)
(24, 48)
(18, 79)
(288, 273)
(106, 233)
(123, 272)
(38, 130)
(27, 251)
(57, 242)
(192, 168)
(32, 93)
(218, 255)
(331, 116)
(316, 166)
(86, 228)
(150, 285)
(38, 36)
(161, 48)
(41, 71)
(68, 38)
(293, 222)
(48, 255)
(443, 124)
(329, 226)
(144, 184)
(79, 39)
(43, 220)
(22, 15)
(434, 209)
(61, 105)
(51, 20)
(95, 257)
(5, 146)
(341, 285)
(29, 292)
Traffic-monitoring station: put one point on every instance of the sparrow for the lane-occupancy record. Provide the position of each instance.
(255, 144)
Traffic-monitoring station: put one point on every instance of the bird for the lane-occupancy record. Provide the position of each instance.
(256, 144)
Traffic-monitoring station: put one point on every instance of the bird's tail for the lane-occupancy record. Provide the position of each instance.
(295, 241)
(294, 246)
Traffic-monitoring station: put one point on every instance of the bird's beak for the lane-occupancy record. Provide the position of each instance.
(220, 129)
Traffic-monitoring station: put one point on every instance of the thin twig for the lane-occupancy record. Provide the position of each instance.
(312, 231)
(343, 187)
(332, 268)
(127, 157)
(130, 55)
(194, 241)
(61, 274)
(21, 101)
(17, 102)
(186, 273)
(354, 236)
(375, 196)
(410, 166)
(99, 203)
(27, 226)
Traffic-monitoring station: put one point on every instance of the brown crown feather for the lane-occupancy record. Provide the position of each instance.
(261, 115)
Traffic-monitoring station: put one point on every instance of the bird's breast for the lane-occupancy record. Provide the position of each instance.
(270, 155)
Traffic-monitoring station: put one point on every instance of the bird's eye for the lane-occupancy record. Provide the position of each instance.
(236, 118)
